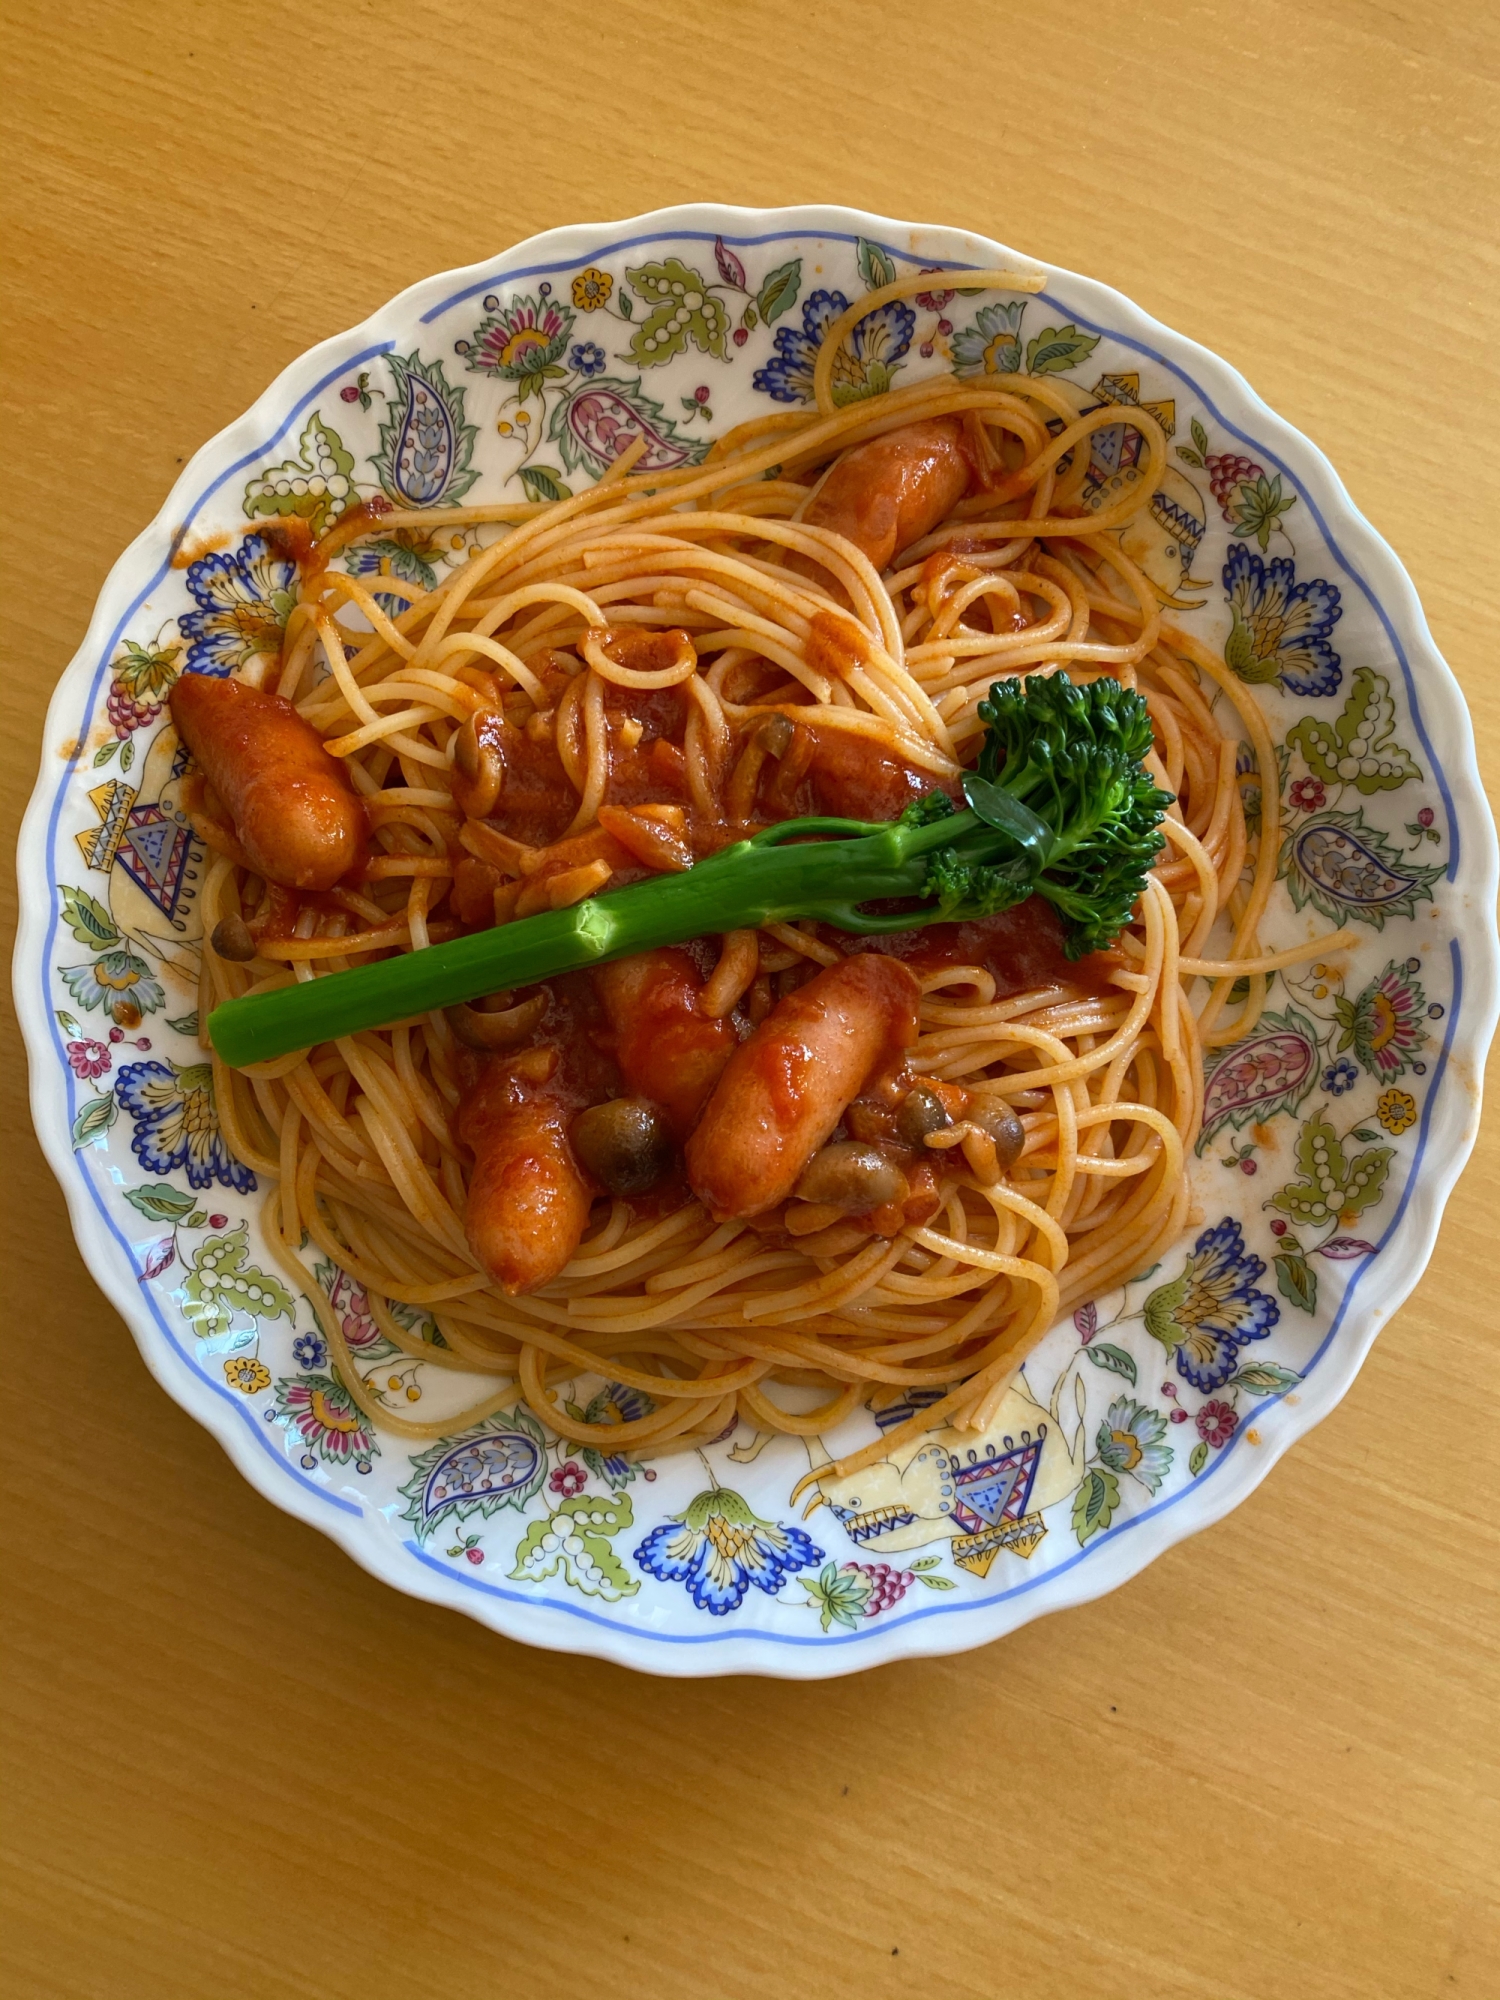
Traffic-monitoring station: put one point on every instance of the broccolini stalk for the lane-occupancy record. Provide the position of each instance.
(1059, 806)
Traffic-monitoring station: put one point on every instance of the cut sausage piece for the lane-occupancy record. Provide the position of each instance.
(294, 810)
(528, 1203)
(666, 1049)
(890, 492)
(787, 1087)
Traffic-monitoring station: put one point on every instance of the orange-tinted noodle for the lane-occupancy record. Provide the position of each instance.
(805, 679)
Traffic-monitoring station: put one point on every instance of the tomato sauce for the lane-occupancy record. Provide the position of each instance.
(1021, 949)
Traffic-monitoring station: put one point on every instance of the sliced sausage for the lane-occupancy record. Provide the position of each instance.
(891, 491)
(666, 1049)
(294, 810)
(528, 1204)
(785, 1089)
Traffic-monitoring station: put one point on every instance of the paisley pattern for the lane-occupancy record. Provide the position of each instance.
(1349, 870)
(593, 425)
(501, 1464)
(1314, 1124)
(425, 446)
(1272, 1070)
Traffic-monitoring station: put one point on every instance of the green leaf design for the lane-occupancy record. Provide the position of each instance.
(1359, 746)
(875, 267)
(839, 1595)
(107, 750)
(778, 291)
(161, 1201)
(1264, 1378)
(684, 309)
(316, 485)
(65, 1021)
(1297, 1280)
(221, 1283)
(127, 756)
(1115, 1359)
(185, 1024)
(1258, 508)
(589, 1564)
(542, 483)
(1332, 1184)
(1198, 1459)
(1199, 436)
(1160, 1311)
(1095, 1503)
(96, 1116)
(88, 920)
(1057, 348)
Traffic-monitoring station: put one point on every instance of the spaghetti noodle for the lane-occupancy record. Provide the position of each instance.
(672, 658)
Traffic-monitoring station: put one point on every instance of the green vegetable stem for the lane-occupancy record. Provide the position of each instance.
(1059, 806)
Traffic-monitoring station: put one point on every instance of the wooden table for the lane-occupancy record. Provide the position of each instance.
(240, 1767)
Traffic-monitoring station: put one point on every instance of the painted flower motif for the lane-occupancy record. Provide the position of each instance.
(1279, 629)
(1383, 1025)
(247, 1375)
(1132, 1439)
(568, 1480)
(407, 553)
(519, 342)
(1396, 1110)
(353, 1308)
(88, 1059)
(845, 1593)
(865, 365)
(591, 289)
(992, 345)
(177, 1123)
(117, 981)
(586, 357)
(1340, 1076)
(309, 1350)
(934, 302)
(244, 599)
(1217, 1423)
(719, 1547)
(614, 1404)
(141, 679)
(1308, 794)
(327, 1419)
(1211, 1310)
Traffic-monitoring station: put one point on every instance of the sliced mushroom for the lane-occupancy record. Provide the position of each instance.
(232, 940)
(770, 737)
(478, 765)
(852, 1178)
(921, 1113)
(1004, 1127)
(624, 1144)
(503, 1028)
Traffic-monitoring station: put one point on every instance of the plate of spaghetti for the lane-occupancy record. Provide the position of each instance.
(757, 940)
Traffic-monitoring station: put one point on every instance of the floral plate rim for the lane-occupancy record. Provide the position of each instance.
(1450, 1117)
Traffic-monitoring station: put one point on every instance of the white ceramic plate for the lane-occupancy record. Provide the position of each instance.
(1334, 1134)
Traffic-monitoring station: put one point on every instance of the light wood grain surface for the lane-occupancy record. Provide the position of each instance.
(236, 1765)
